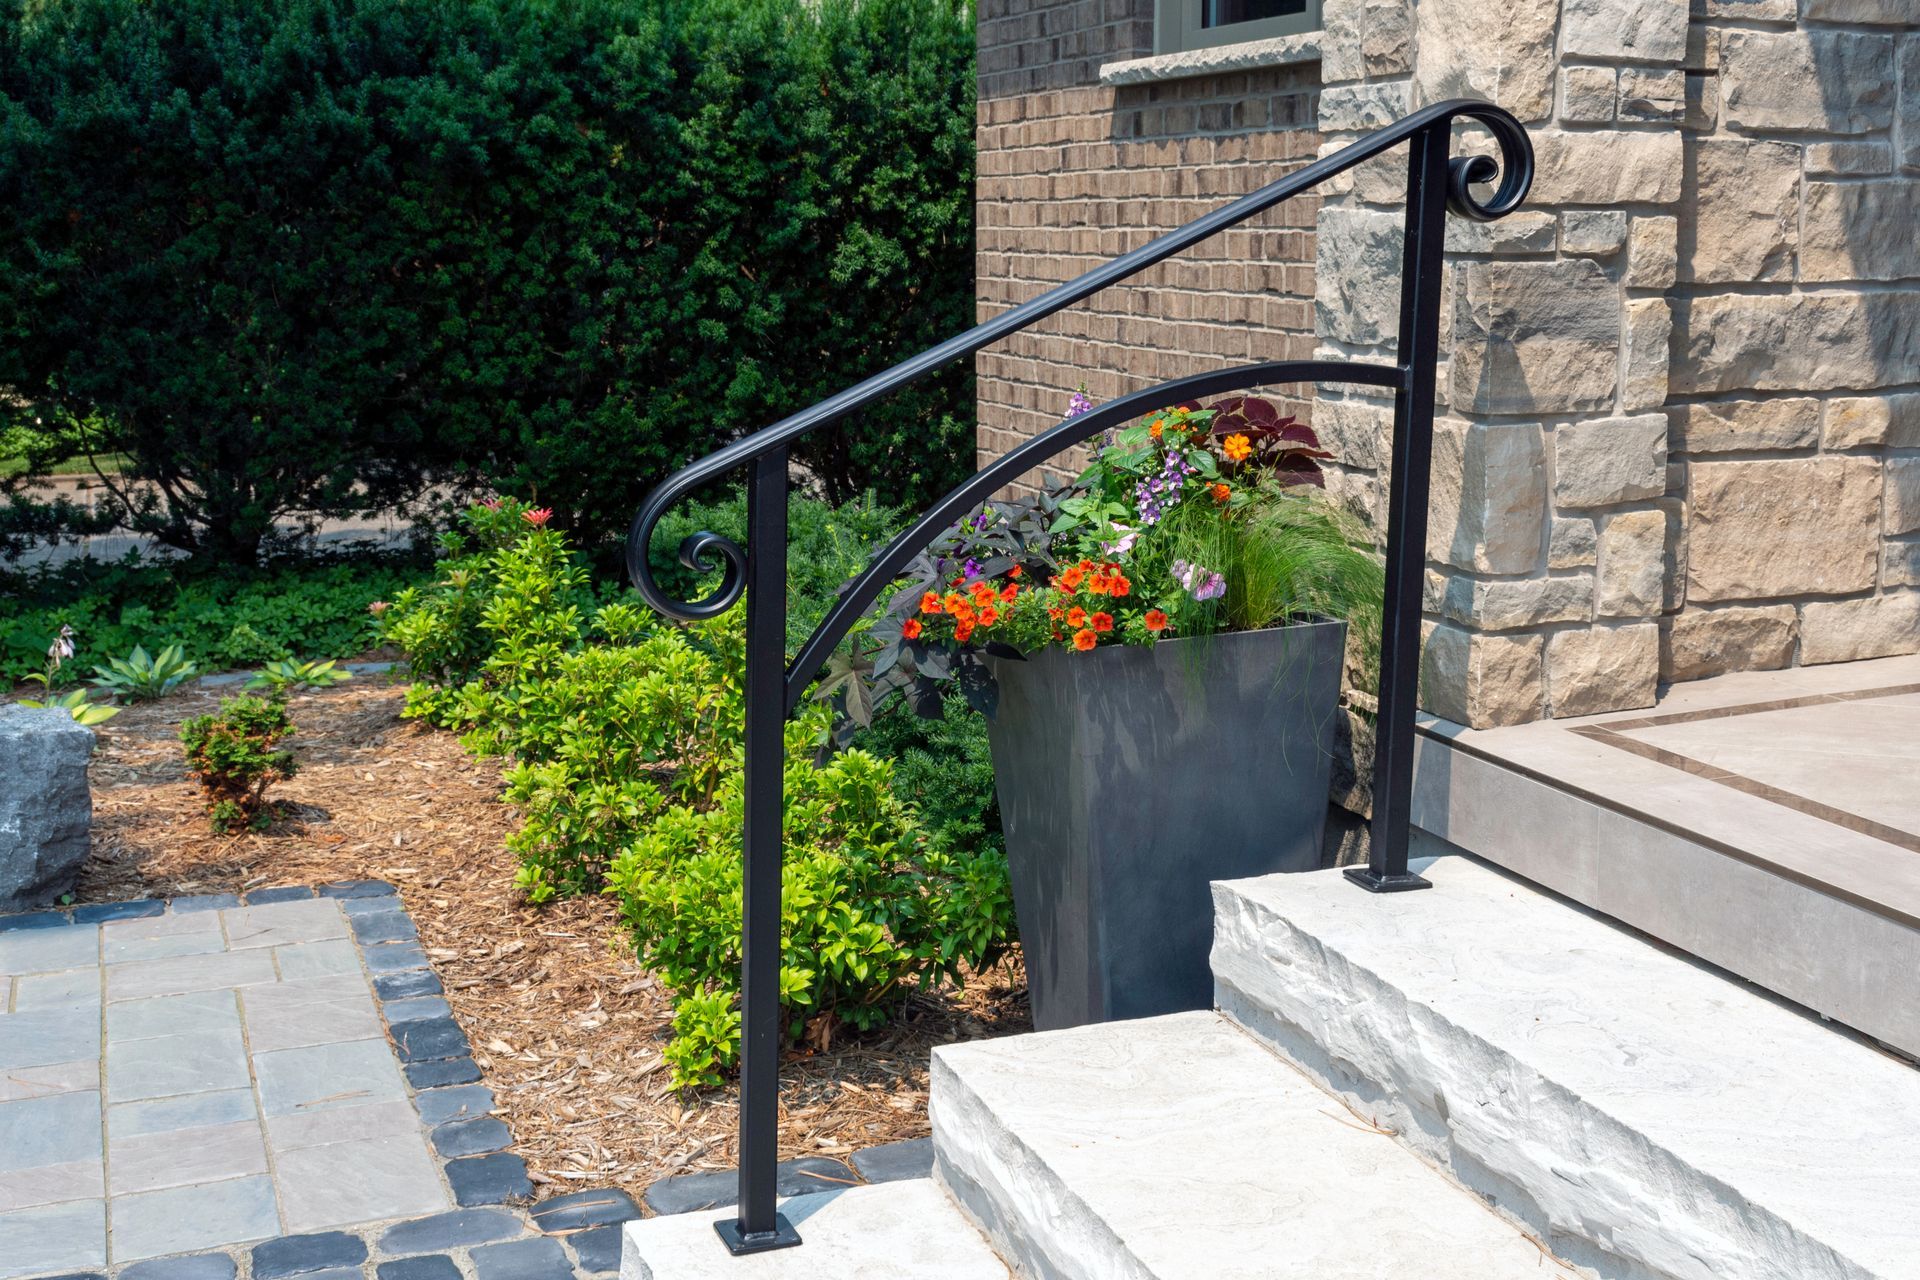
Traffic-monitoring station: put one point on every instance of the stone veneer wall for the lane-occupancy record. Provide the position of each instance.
(1680, 427)
(1072, 172)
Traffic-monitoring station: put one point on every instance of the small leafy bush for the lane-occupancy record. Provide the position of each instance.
(236, 753)
(869, 909)
(283, 677)
(142, 677)
(625, 734)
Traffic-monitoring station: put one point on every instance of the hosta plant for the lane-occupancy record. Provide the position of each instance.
(287, 675)
(236, 753)
(141, 676)
(76, 703)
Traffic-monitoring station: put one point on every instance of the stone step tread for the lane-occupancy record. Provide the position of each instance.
(1178, 1147)
(1615, 1091)
(905, 1230)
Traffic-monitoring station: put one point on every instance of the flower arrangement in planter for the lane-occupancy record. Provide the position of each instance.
(1158, 646)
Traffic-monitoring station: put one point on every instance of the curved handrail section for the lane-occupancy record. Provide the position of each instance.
(707, 551)
(862, 592)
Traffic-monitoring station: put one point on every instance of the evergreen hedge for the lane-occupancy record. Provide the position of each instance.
(304, 255)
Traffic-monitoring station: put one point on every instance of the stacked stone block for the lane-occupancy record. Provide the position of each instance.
(1678, 402)
(1072, 172)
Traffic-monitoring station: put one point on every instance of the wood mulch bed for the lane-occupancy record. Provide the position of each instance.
(565, 1026)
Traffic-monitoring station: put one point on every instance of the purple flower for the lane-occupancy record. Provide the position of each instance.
(1080, 403)
(971, 568)
(1198, 582)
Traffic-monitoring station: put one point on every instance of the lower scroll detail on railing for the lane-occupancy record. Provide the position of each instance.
(1436, 183)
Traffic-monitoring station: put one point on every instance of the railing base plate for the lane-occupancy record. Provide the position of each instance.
(739, 1242)
(1364, 877)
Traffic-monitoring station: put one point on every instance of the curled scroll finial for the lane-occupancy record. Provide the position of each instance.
(703, 553)
(1513, 170)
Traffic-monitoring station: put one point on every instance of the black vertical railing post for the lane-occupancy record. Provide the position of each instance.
(759, 1225)
(1418, 355)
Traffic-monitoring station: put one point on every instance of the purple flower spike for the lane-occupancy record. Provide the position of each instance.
(1079, 404)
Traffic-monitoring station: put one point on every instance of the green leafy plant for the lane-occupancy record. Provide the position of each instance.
(141, 676)
(869, 909)
(78, 704)
(221, 617)
(625, 736)
(237, 753)
(284, 676)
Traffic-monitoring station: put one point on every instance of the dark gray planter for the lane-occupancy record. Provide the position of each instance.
(1130, 778)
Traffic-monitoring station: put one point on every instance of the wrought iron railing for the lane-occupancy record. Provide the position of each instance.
(1436, 182)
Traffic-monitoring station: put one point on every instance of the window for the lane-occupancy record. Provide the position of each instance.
(1204, 24)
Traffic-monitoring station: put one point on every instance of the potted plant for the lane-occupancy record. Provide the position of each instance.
(1158, 646)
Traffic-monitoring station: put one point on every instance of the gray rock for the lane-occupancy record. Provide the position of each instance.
(46, 811)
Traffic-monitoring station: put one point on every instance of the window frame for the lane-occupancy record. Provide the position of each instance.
(1177, 29)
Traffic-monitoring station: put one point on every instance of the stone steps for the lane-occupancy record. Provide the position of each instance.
(1642, 1114)
(907, 1230)
(1178, 1147)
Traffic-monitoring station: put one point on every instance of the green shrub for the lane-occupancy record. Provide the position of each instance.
(283, 677)
(219, 619)
(293, 257)
(625, 734)
(869, 907)
(236, 754)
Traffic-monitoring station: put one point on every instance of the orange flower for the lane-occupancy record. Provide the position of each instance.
(963, 632)
(1102, 621)
(1154, 428)
(1072, 578)
(1236, 448)
(963, 614)
(1118, 585)
(981, 591)
(1084, 640)
(929, 603)
(1008, 592)
(1221, 493)
(1014, 572)
(989, 615)
(955, 602)
(1056, 613)
(1156, 620)
(910, 628)
(1100, 584)
(1076, 617)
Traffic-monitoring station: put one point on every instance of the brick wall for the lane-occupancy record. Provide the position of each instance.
(1073, 172)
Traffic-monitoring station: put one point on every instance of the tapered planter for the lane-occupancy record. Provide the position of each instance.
(1131, 777)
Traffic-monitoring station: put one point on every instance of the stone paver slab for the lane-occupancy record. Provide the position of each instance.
(167, 1065)
(281, 923)
(198, 1266)
(181, 1219)
(178, 1157)
(57, 1129)
(188, 973)
(71, 988)
(317, 959)
(41, 1037)
(161, 937)
(53, 1238)
(300, 1081)
(51, 1184)
(344, 1183)
(196, 1013)
(298, 1255)
(461, 1102)
(340, 1124)
(327, 1010)
(57, 1077)
(45, 950)
(189, 1111)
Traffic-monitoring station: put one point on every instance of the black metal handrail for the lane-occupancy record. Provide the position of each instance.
(1436, 183)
